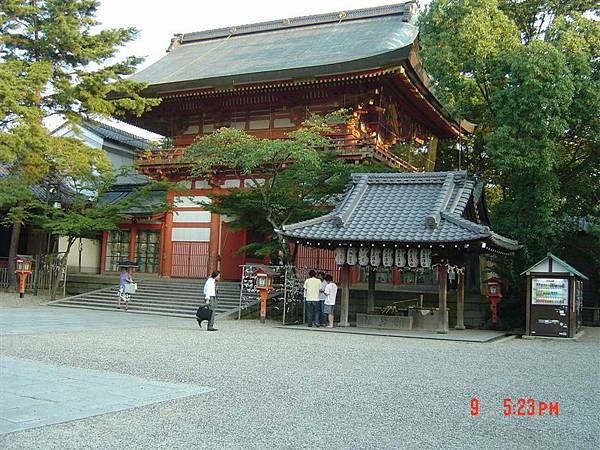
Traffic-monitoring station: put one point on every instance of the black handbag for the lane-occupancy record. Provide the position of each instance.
(204, 313)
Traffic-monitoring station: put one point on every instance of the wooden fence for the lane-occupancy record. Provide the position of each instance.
(44, 271)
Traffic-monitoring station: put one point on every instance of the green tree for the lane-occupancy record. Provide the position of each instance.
(290, 179)
(53, 62)
(86, 213)
(527, 72)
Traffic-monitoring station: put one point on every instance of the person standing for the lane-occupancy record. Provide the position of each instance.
(322, 315)
(312, 286)
(210, 297)
(330, 294)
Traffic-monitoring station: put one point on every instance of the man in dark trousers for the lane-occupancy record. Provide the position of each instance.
(210, 297)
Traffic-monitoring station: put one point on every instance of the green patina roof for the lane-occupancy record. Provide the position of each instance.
(570, 268)
(305, 46)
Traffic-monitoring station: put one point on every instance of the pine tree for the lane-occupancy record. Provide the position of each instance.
(55, 62)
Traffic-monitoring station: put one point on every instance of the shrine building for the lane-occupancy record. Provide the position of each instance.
(266, 78)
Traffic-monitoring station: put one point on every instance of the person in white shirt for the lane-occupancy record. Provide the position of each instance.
(330, 294)
(210, 297)
(322, 296)
(312, 286)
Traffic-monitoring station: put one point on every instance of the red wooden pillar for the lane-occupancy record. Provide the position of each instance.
(167, 243)
(395, 276)
(132, 239)
(213, 249)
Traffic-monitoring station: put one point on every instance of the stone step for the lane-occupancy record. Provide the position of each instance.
(188, 312)
(161, 300)
(179, 300)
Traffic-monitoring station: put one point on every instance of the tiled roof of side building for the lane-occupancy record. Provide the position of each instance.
(401, 208)
(317, 45)
(117, 135)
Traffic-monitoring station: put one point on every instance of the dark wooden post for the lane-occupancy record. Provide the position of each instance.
(528, 307)
(345, 300)
(442, 296)
(371, 290)
(460, 302)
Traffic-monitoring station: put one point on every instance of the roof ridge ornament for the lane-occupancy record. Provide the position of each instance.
(433, 219)
(176, 42)
(361, 187)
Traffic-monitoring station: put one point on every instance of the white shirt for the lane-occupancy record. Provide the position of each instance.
(322, 295)
(331, 293)
(312, 286)
(209, 288)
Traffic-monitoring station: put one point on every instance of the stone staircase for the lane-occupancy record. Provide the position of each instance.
(167, 297)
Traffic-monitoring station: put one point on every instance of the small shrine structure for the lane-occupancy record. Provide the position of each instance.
(406, 220)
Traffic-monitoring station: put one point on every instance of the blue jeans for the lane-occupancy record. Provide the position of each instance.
(313, 313)
(323, 316)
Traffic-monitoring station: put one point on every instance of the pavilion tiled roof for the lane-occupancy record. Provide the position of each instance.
(325, 44)
(408, 208)
(117, 135)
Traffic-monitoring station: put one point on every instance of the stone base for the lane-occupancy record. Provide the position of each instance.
(428, 321)
(384, 322)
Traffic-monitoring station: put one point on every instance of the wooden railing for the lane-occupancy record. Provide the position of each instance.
(349, 146)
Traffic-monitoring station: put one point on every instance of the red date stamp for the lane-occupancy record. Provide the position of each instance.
(522, 407)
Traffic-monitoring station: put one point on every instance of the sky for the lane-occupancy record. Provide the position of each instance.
(158, 21)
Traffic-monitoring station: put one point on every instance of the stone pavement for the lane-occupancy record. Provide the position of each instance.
(35, 394)
(42, 319)
(277, 388)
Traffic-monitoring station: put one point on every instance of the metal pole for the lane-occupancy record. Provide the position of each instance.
(36, 274)
(241, 291)
(285, 282)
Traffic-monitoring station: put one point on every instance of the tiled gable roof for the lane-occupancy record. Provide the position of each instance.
(297, 47)
(401, 208)
(117, 135)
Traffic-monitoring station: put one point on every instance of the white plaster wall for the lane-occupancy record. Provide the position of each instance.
(90, 255)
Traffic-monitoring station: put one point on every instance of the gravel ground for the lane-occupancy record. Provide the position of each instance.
(277, 388)
(11, 299)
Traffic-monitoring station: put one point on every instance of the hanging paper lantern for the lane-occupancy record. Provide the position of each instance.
(375, 257)
(400, 257)
(351, 256)
(426, 257)
(363, 256)
(388, 257)
(340, 256)
(413, 257)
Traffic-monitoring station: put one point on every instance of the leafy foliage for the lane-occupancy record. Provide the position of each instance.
(527, 72)
(289, 180)
(54, 63)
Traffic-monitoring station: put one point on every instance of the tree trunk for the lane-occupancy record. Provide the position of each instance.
(12, 253)
(62, 266)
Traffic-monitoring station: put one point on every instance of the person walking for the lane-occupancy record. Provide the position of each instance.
(312, 286)
(210, 297)
(330, 294)
(124, 278)
(322, 315)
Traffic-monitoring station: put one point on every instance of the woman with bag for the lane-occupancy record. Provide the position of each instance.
(126, 286)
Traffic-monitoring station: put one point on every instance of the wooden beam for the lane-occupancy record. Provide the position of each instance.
(443, 300)
(345, 300)
(371, 291)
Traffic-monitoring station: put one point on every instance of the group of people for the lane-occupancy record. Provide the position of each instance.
(319, 293)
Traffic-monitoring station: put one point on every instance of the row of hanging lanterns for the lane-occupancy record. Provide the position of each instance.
(388, 257)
